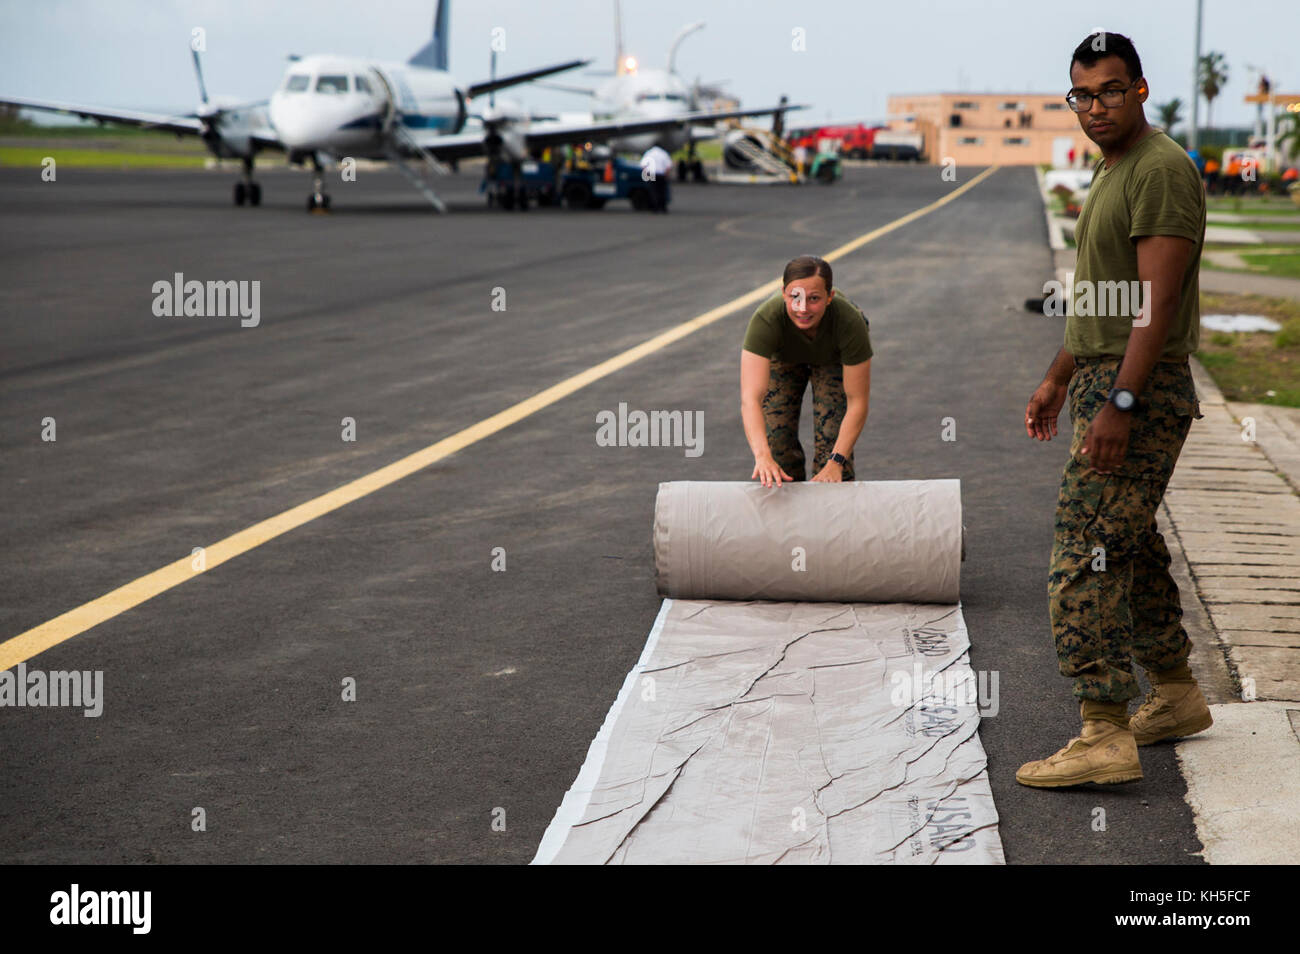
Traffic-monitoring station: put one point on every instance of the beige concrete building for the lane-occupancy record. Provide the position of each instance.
(987, 128)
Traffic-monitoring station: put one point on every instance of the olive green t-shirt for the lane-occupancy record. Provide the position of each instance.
(842, 336)
(1154, 189)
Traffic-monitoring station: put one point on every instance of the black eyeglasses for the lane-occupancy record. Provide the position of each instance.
(1110, 98)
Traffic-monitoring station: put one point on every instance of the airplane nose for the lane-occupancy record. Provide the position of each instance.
(298, 125)
(288, 123)
(661, 110)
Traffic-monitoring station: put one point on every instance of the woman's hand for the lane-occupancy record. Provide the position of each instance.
(769, 471)
(832, 473)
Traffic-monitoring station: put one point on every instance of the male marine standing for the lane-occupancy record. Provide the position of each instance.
(1124, 368)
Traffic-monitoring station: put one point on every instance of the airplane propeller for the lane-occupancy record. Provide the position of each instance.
(206, 112)
(198, 74)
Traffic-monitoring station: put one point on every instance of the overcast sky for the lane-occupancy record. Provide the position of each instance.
(135, 53)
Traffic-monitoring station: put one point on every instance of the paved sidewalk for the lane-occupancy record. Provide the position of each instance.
(1244, 283)
(1233, 235)
(1255, 219)
(1237, 515)
(1212, 280)
(1234, 514)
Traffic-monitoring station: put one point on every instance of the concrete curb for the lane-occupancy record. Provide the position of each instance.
(1055, 233)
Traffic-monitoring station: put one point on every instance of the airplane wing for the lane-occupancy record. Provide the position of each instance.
(549, 134)
(538, 135)
(176, 124)
(264, 136)
(564, 88)
(454, 146)
(502, 82)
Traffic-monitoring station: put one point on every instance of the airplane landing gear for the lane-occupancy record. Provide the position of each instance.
(691, 167)
(246, 190)
(319, 200)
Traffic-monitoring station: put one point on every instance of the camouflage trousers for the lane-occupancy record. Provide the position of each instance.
(1111, 596)
(781, 406)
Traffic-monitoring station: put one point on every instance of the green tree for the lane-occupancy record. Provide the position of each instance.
(1288, 136)
(1214, 73)
(1170, 114)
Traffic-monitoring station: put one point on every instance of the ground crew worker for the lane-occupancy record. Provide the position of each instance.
(1132, 401)
(1211, 175)
(656, 168)
(808, 330)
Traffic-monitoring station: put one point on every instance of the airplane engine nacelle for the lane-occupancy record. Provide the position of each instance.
(230, 138)
(513, 143)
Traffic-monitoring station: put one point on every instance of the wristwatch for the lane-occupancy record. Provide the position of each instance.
(839, 459)
(1122, 398)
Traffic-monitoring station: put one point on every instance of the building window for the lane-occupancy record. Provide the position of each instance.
(970, 141)
(965, 104)
(1015, 141)
(954, 119)
(1053, 106)
(1012, 106)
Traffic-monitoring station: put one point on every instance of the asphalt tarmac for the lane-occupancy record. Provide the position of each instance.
(477, 691)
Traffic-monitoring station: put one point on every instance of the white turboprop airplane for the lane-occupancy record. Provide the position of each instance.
(333, 107)
(646, 93)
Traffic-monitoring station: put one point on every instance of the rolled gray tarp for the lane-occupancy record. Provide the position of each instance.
(897, 541)
(805, 695)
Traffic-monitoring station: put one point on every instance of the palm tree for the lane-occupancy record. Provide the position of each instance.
(1170, 114)
(1214, 73)
(1288, 136)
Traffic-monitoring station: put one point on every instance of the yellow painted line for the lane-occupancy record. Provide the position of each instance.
(24, 646)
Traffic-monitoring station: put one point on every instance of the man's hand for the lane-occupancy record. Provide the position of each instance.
(832, 473)
(1043, 410)
(768, 471)
(1106, 441)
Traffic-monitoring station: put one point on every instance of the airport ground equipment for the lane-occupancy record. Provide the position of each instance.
(590, 186)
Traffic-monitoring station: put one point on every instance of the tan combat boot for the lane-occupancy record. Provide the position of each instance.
(1104, 752)
(1173, 708)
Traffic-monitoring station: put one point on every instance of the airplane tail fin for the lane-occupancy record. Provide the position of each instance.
(434, 53)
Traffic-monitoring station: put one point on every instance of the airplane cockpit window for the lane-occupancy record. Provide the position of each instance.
(297, 82)
(660, 97)
(362, 85)
(332, 84)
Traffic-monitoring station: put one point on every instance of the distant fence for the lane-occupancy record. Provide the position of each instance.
(1232, 138)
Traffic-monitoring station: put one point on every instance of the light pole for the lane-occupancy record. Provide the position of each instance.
(1259, 107)
(1270, 117)
(1192, 138)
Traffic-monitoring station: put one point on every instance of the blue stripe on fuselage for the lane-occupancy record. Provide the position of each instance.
(409, 120)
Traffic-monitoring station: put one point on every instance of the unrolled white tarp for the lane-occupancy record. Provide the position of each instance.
(794, 732)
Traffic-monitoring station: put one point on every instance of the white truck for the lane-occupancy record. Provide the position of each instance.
(894, 144)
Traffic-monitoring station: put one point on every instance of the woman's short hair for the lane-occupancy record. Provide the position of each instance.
(806, 266)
